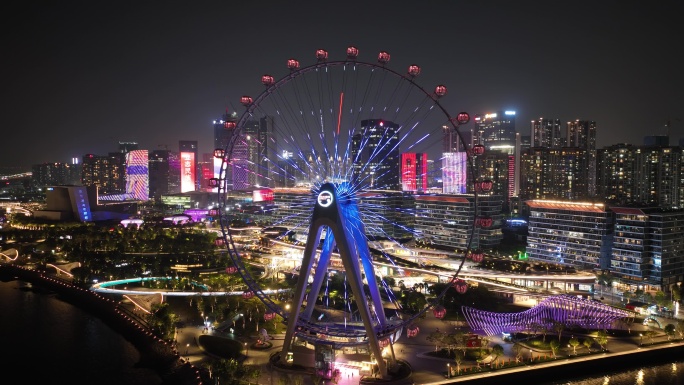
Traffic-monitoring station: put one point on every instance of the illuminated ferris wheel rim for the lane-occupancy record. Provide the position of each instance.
(252, 106)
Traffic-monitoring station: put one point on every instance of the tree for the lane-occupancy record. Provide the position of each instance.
(650, 334)
(680, 328)
(554, 345)
(518, 351)
(497, 351)
(437, 338)
(588, 342)
(670, 330)
(602, 339)
(458, 359)
(660, 298)
(605, 278)
(558, 327)
(574, 342)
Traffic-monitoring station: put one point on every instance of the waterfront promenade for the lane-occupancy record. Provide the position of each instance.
(622, 352)
(426, 369)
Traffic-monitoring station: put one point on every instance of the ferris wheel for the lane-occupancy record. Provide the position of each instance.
(351, 143)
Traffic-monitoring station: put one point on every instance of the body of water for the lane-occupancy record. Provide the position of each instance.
(43, 338)
(665, 374)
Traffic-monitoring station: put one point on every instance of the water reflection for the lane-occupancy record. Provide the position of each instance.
(666, 374)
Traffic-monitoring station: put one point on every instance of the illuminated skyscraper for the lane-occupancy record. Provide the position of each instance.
(164, 170)
(546, 133)
(108, 172)
(454, 172)
(189, 159)
(414, 174)
(582, 134)
(137, 175)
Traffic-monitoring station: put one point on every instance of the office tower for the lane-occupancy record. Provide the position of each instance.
(455, 142)
(375, 155)
(164, 170)
(434, 174)
(189, 158)
(287, 169)
(496, 131)
(648, 247)
(559, 232)
(414, 176)
(206, 172)
(650, 175)
(250, 154)
(108, 172)
(546, 133)
(261, 144)
(582, 134)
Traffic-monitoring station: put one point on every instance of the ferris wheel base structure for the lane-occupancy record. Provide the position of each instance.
(336, 211)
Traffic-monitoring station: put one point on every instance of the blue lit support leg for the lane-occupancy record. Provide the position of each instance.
(320, 273)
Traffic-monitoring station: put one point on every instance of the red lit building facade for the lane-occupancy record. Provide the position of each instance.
(414, 176)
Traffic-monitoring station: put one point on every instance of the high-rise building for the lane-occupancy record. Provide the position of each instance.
(108, 172)
(648, 175)
(56, 174)
(414, 173)
(582, 134)
(548, 173)
(137, 175)
(249, 156)
(546, 133)
(375, 155)
(496, 131)
(164, 170)
(189, 156)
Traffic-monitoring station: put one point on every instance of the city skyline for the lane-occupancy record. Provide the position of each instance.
(86, 76)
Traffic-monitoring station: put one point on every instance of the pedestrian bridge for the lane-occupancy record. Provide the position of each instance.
(564, 309)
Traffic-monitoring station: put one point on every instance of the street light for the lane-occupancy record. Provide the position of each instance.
(448, 370)
(187, 346)
(641, 339)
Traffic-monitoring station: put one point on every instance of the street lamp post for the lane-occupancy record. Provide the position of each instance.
(641, 339)
(448, 370)
(187, 347)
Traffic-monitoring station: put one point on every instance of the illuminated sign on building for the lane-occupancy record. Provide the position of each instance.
(188, 168)
(262, 195)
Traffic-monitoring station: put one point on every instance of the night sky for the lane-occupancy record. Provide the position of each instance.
(78, 77)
